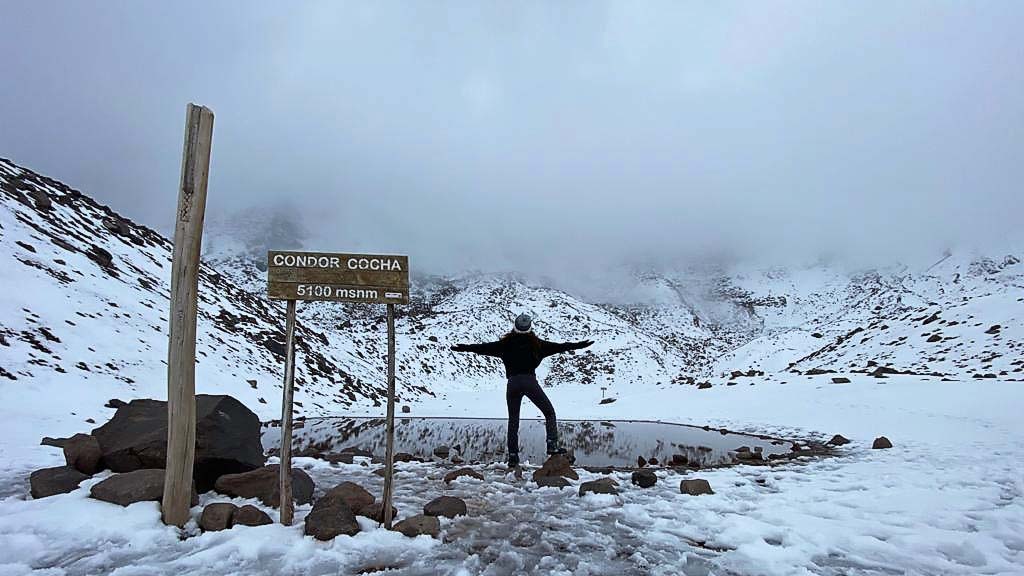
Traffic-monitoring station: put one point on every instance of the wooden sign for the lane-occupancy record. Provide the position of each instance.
(360, 278)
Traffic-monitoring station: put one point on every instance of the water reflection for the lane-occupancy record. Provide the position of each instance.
(595, 443)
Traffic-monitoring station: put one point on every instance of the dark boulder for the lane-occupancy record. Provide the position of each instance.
(330, 517)
(217, 516)
(447, 506)
(599, 486)
(375, 512)
(419, 525)
(265, 483)
(115, 403)
(137, 486)
(227, 438)
(881, 442)
(644, 478)
(840, 380)
(456, 474)
(839, 440)
(695, 487)
(82, 452)
(250, 515)
(350, 494)
(51, 481)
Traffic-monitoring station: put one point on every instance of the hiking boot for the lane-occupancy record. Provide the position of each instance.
(513, 460)
(555, 448)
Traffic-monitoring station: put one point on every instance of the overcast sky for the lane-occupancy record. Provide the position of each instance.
(536, 136)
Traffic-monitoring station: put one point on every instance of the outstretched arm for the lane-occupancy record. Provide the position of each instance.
(486, 348)
(551, 348)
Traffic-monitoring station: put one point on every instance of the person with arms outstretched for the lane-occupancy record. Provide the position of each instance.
(522, 352)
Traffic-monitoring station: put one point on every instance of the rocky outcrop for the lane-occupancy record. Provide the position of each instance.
(57, 480)
(227, 438)
(265, 484)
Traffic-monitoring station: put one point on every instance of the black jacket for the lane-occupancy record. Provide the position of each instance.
(521, 353)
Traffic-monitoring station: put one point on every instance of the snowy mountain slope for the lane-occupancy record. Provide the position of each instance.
(85, 302)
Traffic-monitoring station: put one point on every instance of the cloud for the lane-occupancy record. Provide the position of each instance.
(544, 138)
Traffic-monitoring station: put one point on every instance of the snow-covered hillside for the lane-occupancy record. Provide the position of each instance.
(86, 296)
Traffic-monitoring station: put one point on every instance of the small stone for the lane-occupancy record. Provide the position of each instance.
(419, 525)
(556, 465)
(695, 487)
(455, 474)
(217, 516)
(840, 380)
(838, 440)
(881, 442)
(644, 478)
(599, 486)
(447, 506)
(330, 517)
(406, 409)
(250, 515)
(640, 462)
(552, 482)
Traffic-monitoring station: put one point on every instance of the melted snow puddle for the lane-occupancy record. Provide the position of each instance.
(594, 443)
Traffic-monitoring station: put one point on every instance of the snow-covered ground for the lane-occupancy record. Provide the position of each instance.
(947, 499)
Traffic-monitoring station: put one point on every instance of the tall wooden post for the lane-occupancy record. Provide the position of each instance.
(181, 353)
(389, 452)
(285, 469)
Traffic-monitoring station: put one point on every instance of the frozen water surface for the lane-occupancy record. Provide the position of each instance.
(595, 443)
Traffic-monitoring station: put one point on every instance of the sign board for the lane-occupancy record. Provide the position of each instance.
(360, 278)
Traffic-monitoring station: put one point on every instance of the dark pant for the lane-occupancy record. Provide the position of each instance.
(526, 385)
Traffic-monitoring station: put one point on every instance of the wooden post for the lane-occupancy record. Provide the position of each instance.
(285, 469)
(389, 452)
(181, 353)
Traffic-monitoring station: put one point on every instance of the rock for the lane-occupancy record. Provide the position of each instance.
(607, 400)
(356, 451)
(406, 409)
(817, 372)
(840, 380)
(264, 483)
(227, 438)
(679, 460)
(653, 461)
(442, 451)
(838, 440)
(599, 486)
(552, 482)
(640, 462)
(42, 200)
(117, 226)
(137, 486)
(351, 494)
(330, 517)
(375, 512)
(454, 474)
(419, 525)
(82, 452)
(115, 403)
(406, 457)
(447, 506)
(703, 385)
(881, 442)
(51, 481)
(556, 465)
(217, 516)
(644, 478)
(695, 487)
(994, 329)
(55, 442)
(250, 515)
